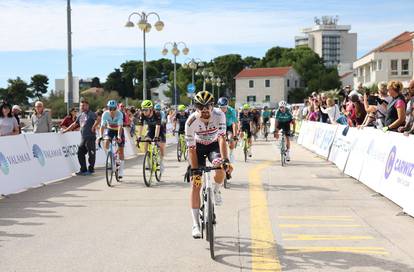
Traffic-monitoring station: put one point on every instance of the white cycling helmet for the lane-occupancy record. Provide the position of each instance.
(282, 104)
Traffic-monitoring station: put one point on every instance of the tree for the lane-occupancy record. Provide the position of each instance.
(17, 92)
(227, 67)
(115, 82)
(96, 83)
(38, 85)
(251, 62)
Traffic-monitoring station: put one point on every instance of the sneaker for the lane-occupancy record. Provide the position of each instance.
(196, 232)
(91, 170)
(217, 197)
(287, 155)
(86, 173)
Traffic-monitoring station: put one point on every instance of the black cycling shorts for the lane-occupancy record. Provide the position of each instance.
(151, 135)
(285, 127)
(265, 120)
(246, 129)
(211, 151)
(109, 134)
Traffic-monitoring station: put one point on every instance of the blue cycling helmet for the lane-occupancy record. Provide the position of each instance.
(223, 101)
(112, 104)
(157, 107)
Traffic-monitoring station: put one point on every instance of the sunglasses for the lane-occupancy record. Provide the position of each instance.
(223, 107)
(203, 107)
(145, 110)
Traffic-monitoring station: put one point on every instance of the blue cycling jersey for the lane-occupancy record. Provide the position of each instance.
(112, 123)
(231, 116)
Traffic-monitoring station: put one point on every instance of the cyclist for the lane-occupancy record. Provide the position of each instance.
(155, 130)
(180, 117)
(158, 109)
(266, 113)
(231, 124)
(111, 127)
(283, 118)
(205, 132)
(246, 125)
(256, 121)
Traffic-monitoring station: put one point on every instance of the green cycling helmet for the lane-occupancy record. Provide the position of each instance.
(146, 104)
(246, 107)
(181, 108)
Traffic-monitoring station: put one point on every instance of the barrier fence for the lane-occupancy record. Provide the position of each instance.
(382, 161)
(31, 160)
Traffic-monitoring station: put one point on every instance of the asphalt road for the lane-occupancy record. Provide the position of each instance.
(303, 217)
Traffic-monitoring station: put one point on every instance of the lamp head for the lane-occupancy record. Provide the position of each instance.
(148, 28)
(142, 24)
(186, 51)
(164, 51)
(159, 25)
(129, 24)
(175, 51)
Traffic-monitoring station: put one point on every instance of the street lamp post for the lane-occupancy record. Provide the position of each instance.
(70, 75)
(145, 27)
(175, 51)
(193, 64)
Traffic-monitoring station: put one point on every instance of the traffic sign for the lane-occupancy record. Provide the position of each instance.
(191, 88)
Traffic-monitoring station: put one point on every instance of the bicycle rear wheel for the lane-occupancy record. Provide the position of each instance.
(282, 153)
(245, 149)
(109, 173)
(179, 151)
(210, 222)
(157, 166)
(147, 169)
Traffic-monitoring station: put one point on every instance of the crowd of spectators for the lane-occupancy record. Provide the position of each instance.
(389, 109)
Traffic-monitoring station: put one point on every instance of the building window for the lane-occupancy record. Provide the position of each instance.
(267, 98)
(251, 84)
(251, 98)
(374, 66)
(379, 66)
(394, 67)
(296, 83)
(288, 83)
(404, 67)
(267, 83)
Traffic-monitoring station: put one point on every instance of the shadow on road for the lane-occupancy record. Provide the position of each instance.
(241, 255)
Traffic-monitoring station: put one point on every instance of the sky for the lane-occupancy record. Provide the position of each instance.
(33, 32)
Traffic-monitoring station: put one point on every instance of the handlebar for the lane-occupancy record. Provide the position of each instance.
(209, 169)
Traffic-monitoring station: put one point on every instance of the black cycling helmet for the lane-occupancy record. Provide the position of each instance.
(203, 98)
(223, 102)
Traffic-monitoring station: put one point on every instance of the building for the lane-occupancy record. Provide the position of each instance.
(332, 42)
(265, 86)
(158, 94)
(392, 60)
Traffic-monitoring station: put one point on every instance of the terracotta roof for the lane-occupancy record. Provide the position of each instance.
(400, 43)
(264, 72)
(345, 75)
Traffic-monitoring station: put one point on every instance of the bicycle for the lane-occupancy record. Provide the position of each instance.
(151, 165)
(181, 148)
(283, 149)
(246, 146)
(266, 130)
(112, 162)
(207, 215)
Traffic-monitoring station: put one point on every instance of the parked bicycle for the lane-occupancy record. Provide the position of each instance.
(151, 165)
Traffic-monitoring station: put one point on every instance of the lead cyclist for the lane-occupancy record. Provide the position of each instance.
(205, 133)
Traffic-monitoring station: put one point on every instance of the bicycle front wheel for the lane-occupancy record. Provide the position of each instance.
(179, 151)
(109, 170)
(147, 169)
(156, 163)
(210, 222)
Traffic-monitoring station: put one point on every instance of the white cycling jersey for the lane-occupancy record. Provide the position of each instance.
(196, 131)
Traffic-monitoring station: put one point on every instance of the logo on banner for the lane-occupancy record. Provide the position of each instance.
(38, 154)
(390, 162)
(4, 164)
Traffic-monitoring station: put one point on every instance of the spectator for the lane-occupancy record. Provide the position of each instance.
(356, 111)
(410, 97)
(41, 120)
(395, 115)
(370, 106)
(409, 123)
(87, 122)
(16, 111)
(305, 109)
(332, 110)
(98, 119)
(323, 116)
(313, 115)
(8, 123)
(69, 119)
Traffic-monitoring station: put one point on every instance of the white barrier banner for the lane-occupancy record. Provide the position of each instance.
(398, 172)
(303, 132)
(375, 158)
(17, 165)
(49, 155)
(309, 137)
(341, 146)
(357, 155)
(323, 138)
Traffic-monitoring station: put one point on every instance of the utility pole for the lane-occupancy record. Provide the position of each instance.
(70, 75)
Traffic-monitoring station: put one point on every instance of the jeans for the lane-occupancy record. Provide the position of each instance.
(87, 146)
